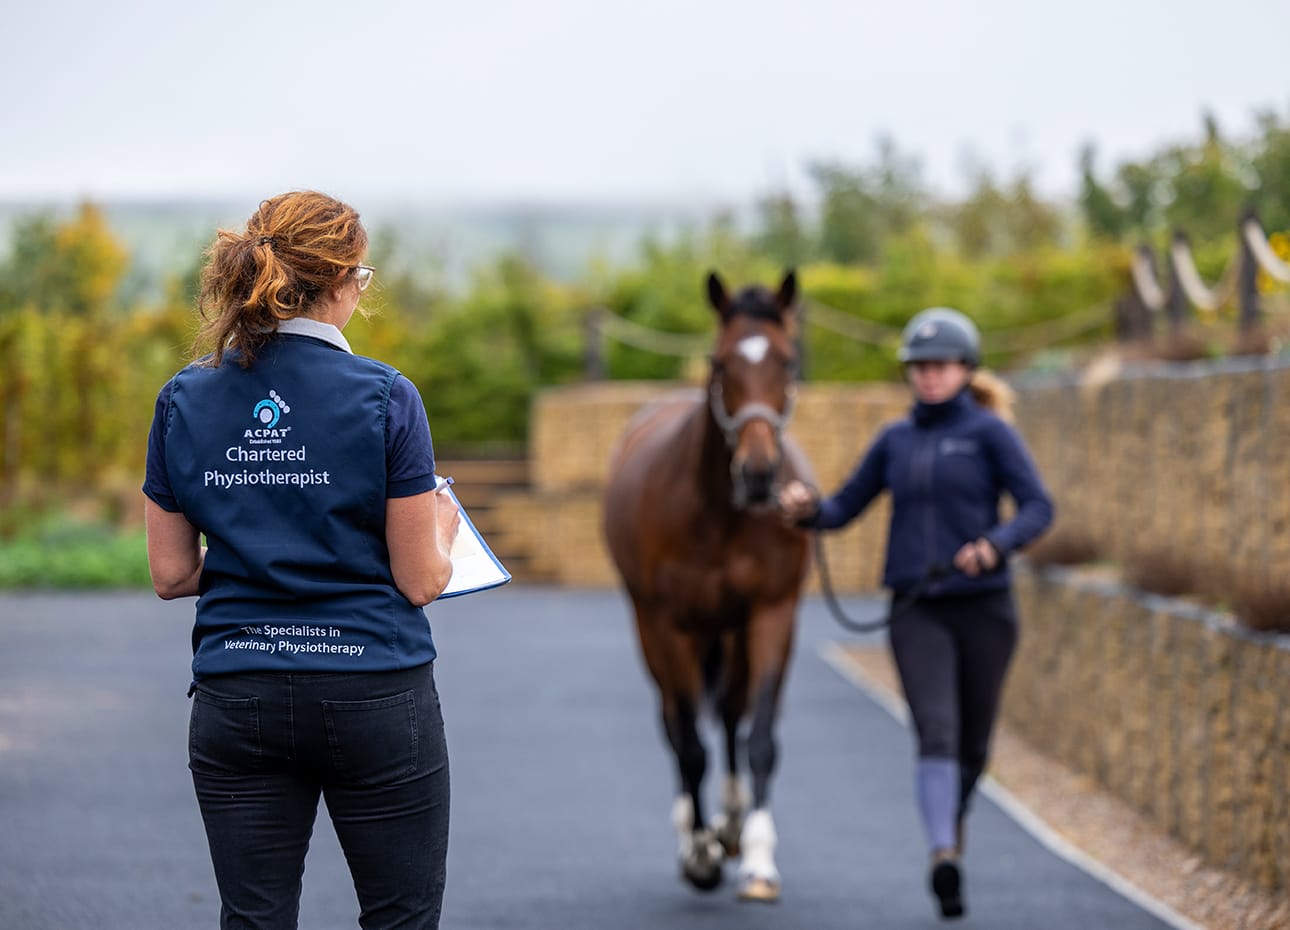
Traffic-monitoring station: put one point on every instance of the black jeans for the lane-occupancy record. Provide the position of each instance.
(263, 747)
(952, 654)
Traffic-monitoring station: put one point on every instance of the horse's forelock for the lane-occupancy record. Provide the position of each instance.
(757, 303)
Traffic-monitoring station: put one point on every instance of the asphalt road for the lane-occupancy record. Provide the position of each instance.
(561, 786)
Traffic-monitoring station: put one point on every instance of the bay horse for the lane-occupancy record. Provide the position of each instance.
(714, 574)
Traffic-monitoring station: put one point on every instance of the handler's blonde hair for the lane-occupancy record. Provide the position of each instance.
(993, 393)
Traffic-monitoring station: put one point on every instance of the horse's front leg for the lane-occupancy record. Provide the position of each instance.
(735, 797)
(770, 643)
(701, 854)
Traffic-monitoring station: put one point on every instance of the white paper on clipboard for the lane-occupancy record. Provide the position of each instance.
(474, 567)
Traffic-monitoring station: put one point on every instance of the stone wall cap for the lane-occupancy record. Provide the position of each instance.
(1218, 621)
(1154, 370)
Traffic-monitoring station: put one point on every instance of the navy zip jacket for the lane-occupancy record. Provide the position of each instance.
(947, 466)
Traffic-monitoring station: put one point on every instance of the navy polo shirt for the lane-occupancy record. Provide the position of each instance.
(285, 467)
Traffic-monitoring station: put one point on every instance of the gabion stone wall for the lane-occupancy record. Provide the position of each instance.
(1184, 464)
(1179, 712)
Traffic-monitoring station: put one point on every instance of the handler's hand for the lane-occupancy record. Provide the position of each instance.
(976, 557)
(797, 502)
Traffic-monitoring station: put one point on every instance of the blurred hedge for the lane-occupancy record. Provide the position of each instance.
(82, 353)
(78, 380)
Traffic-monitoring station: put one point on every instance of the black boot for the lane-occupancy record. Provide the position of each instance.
(946, 880)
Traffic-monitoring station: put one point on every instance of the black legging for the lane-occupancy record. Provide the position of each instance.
(952, 654)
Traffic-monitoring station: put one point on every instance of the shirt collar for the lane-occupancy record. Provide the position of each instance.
(316, 329)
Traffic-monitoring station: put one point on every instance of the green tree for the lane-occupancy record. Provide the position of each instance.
(998, 220)
(397, 291)
(75, 266)
(1271, 166)
(1207, 192)
(780, 235)
(1104, 218)
(849, 230)
(898, 191)
(1141, 184)
(1032, 223)
(864, 207)
(479, 360)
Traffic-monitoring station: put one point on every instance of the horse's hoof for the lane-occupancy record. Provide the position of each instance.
(728, 830)
(702, 877)
(764, 890)
(701, 864)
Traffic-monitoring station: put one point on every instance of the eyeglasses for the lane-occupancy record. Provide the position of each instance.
(363, 275)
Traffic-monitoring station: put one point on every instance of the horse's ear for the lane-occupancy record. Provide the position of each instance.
(717, 294)
(787, 290)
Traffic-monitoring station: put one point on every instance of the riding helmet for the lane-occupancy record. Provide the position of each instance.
(940, 334)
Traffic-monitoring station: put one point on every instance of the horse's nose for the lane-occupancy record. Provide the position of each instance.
(755, 462)
(758, 482)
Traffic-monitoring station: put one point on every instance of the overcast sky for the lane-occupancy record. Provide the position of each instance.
(598, 100)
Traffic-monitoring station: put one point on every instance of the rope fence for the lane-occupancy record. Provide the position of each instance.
(604, 325)
(1148, 298)
(857, 329)
(682, 345)
(1200, 296)
(1258, 244)
(1133, 315)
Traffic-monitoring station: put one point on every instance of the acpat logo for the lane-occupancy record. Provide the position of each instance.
(271, 409)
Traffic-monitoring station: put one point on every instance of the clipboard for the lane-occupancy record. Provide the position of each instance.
(474, 566)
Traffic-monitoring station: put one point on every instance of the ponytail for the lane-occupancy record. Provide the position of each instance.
(295, 247)
(993, 393)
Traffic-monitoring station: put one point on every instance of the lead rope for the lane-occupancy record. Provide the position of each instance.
(898, 605)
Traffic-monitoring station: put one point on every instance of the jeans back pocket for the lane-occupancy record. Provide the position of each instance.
(373, 742)
(224, 734)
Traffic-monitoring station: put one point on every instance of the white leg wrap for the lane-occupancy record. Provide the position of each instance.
(683, 822)
(758, 844)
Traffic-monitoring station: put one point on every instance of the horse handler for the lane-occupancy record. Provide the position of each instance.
(954, 624)
(310, 471)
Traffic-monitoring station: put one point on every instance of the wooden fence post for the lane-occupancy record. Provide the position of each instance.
(1141, 316)
(1176, 306)
(594, 364)
(1247, 286)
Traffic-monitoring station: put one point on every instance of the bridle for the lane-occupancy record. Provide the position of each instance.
(731, 424)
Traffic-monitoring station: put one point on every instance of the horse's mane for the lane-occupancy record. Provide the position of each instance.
(757, 303)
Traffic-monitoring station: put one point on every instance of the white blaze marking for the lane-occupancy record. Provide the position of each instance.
(754, 348)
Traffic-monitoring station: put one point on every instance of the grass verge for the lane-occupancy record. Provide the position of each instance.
(60, 552)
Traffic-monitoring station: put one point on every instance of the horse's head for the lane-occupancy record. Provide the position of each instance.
(753, 381)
